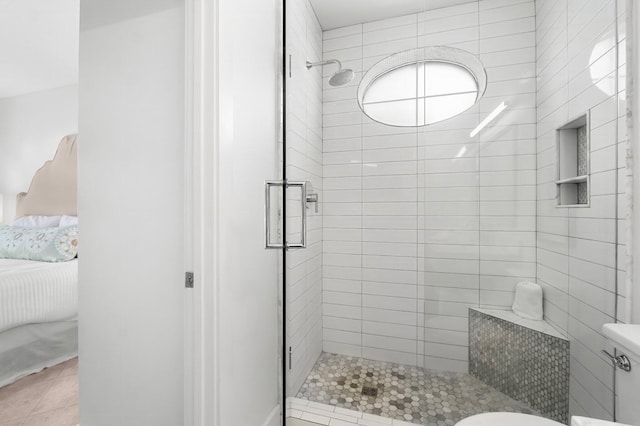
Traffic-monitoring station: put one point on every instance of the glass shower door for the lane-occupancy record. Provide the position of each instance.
(303, 209)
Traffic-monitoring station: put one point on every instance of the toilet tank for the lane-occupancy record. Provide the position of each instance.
(626, 339)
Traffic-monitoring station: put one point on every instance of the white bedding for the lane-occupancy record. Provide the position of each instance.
(30, 348)
(37, 292)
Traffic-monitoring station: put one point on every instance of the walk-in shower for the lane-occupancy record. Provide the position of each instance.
(435, 200)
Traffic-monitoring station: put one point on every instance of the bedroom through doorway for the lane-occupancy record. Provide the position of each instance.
(39, 45)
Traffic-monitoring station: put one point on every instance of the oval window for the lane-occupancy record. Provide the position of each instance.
(422, 86)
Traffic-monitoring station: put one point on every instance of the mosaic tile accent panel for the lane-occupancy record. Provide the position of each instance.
(583, 151)
(529, 366)
(583, 164)
(411, 394)
(583, 193)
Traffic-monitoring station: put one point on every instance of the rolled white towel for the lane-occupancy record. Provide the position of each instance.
(528, 301)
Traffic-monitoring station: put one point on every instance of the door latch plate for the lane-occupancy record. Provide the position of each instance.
(188, 279)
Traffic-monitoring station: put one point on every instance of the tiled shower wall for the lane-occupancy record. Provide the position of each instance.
(304, 163)
(421, 224)
(580, 47)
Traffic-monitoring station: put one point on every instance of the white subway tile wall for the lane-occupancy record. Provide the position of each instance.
(421, 224)
(580, 68)
(304, 163)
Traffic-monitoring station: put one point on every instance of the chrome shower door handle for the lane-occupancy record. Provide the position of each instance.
(303, 213)
(267, 213)
(268, 221)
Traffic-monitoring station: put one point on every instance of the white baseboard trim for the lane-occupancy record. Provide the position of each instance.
(274, 417)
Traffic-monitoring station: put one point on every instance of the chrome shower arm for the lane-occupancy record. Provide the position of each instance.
(330, 61)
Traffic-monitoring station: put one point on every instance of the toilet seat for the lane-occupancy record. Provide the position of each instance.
(506, 419)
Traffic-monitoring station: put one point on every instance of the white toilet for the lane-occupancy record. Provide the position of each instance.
(506, 419)
(626, 339)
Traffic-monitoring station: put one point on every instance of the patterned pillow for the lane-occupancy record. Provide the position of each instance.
(37, 221)
(42, 244)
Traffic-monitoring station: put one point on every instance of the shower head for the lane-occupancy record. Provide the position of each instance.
(340, 77)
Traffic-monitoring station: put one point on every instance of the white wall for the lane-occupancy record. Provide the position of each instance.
(304, 163)
(31, 126)
(577, 69)
(421, 224)
(248, 153)
(131, 199)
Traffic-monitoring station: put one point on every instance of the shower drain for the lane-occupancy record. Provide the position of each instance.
(370, 391)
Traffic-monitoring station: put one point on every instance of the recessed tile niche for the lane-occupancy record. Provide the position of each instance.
(572, 182)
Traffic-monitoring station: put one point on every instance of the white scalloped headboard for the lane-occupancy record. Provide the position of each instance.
(54, 187)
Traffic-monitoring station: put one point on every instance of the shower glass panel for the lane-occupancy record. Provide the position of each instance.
(400, 306)
(303, 150)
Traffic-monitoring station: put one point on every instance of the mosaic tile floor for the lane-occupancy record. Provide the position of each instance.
(412, 394)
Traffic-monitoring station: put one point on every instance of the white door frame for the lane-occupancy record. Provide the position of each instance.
(632, 287)
(203, 189)
(201, 218)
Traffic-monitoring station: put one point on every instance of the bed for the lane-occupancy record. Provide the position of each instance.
(39, 300)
